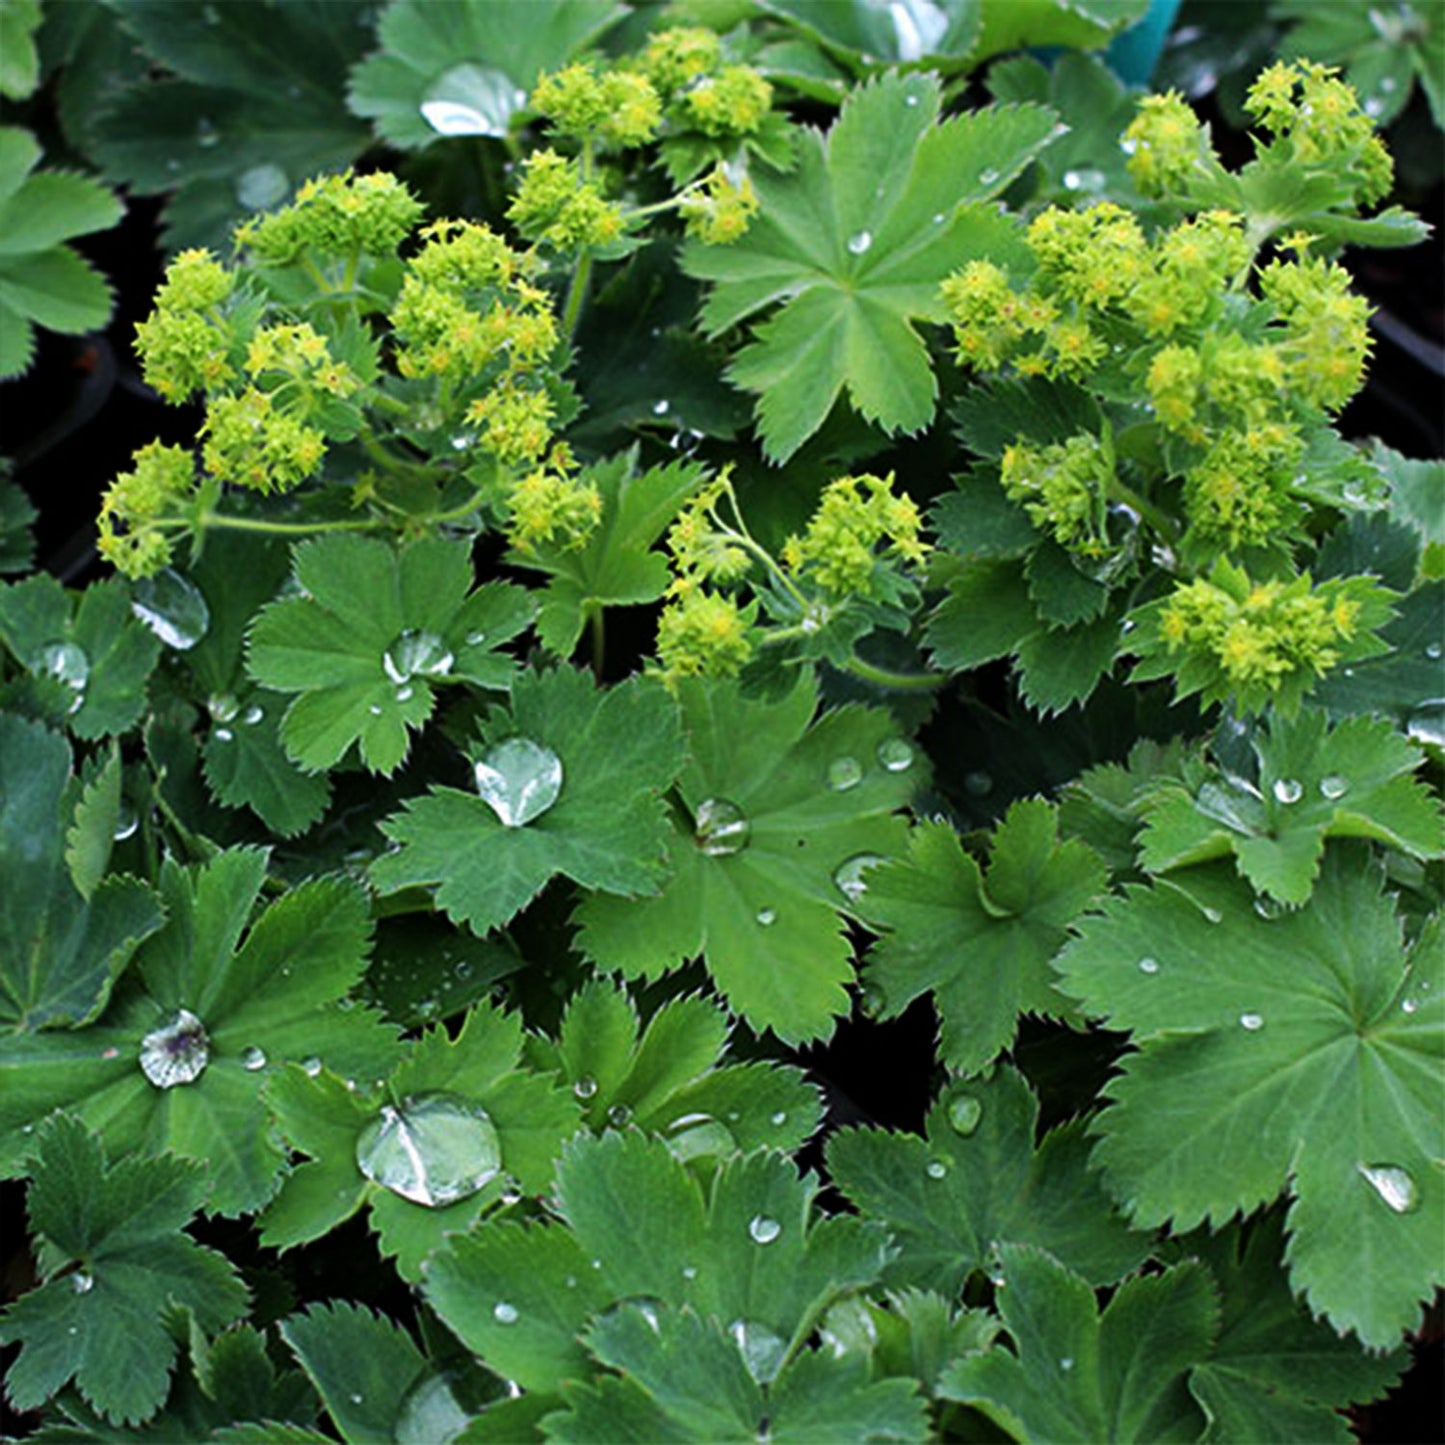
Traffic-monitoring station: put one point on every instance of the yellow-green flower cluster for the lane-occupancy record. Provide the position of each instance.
(699, 90)
(1165, 143)
(718, 209)
(297, 358)
(703, 550)
(617, 107)
(137, 502)
(184, 344)
(1321, 117)
(704, 634)
(1327, 337)
(1261, 634)
(517, 420)
(858, 521)
(340, 215)
(1237, 495)
(550, 508)
(554, 204)
(1063, 487)
(251, 442)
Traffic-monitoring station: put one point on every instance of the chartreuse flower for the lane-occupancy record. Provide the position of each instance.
(336, 216)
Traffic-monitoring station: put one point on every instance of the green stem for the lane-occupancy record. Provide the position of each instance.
(899, 681)
(254, 524)
(576, 291)
(599, 638)
(455, 514)
(1161, 521)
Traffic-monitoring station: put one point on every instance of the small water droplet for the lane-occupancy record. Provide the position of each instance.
(978, 783)
(779, 1119)
(895, 755)
(206, 133)
(1434, 651)
(689, 1271)
(585, 1087)
(860, 242)
(619, 1116)
(126, 823)
(416, 653)
(936, 1169)
(1066, 1363)
(762, 1349)
(1394, 1185)
(1427, 723)
(504, 1313)
(848, 876)
(844, 773)
(172, 607)
(475, 639)
(254, 714)
(253, 1059)
(987, 176)
(81, 1282)
(312, 1066)
(68, 664)
(1149, 965)
(222, 706)
(767, 917)
(910, 100)
(375, 709)
(1410, 1005)
(1269, 908)
(938, 218)
(519, 780)
(1252, 1022)
(763, 1229)
(964, 1113)
(176, 1053)
(661, 407)
(1288, 790)
(223, 735)
(260, 186)
(110, 1053)
(1086, 179)
(433, 1150)
(357, 1398)
(1211, 915)
(1334, 787)
(721, 828)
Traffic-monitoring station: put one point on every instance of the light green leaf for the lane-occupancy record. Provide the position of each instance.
(379, 630)
(469, 53)
(761, 902)
(854, 243)
(615, 754)
(102, 1324)
(905, 33)
(976, 1179)
(19, 64)
(1081, 1376)
(92, 833)
(981, 943)
(1315, 782)
(1299, 1053)
(60, 951)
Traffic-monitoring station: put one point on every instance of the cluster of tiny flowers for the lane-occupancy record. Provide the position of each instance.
(1326, 341)
(1309, 108)
(1262, 637)
(1166, 144)
(554, 204)
(1238, 493)
(184, 344)
(252, 442)
(1063, 487)
(717, 211)
(704, 634)
(548, 507)
(341, 215)
(699, 91)
(616, 107)
(297, 358)
(858, 521)
(702, 549)
(135, 505)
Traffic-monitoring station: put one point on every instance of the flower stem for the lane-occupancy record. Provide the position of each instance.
(255, 524)
(898, 681)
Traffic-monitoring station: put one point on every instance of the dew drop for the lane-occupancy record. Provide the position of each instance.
(964, 1113)
(504, 1313)
(253, 715)
(206, 133)
(762, 1349)
(1434, 651)
(1252, 1022)
(172, 607)
(519, 780)
(81, 1282)
(357, 1398)
(176, 1053)
(67, 664)
(475, 639)
(260, 186)
(471, 99)
(693, 1136)
(312, 1067)
(767, 917)
(223, 735)
(988, 176)
(763, 1229)
(416, 653)
(978, 783)
(844, 773)
(779, 1119)
(848, 876)
(895, 755)
(721, 829)
(1410, 1005)
(1288, 790)
(661, 407)
(936, 1169)
(433, 1150)
(1394, 1185)
(1066, 1364)
(910, 100)
(1334, 787)
(375, 709)
(619, 1116)
(1427, 723)
(689, 1271)
(252, 1059)
(585, 1087)
(222, 706)
(1086, 179)
(860, 242)
(1211, 915)
(1149, 965)
(405, 694)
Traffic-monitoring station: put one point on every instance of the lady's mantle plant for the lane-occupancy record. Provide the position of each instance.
(338, 887)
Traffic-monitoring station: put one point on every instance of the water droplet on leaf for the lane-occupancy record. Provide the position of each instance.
(619, 1116)
(585, 1087)
(695, 1136)
(1149, 965)
(504, 1313)
(260, 186)
(987, 176)
(1427, 723)
(936, 1169)
(433, 1150)
(519, 780)
(416, 653)
(964, 1113)
(762, 1349)
(848, 876)
(844, 773)
(206, 133)
(172, 607)
(1252, 1022)
(1288, 790)
(66, 663)
(176, 1053)
(1334, 787)
(895, 755)
(661, 407)
(81, 1282)
(1393, 1184)
(978, 783)
(767, 917)
(722, 828)
(763, 1229)
(859, 243)
(253, 1059)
